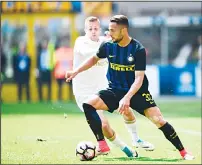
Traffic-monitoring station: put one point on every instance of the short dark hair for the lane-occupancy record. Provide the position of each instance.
(120, 20)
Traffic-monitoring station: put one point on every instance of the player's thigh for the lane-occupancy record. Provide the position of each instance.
(96, 102)
(110, 98)
(142, 101)
(90, 100)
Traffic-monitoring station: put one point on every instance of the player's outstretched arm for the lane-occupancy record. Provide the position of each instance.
(84, 66)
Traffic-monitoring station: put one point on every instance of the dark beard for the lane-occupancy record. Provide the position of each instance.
(117, 41)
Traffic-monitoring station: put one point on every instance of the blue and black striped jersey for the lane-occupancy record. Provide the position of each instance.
(123, 61)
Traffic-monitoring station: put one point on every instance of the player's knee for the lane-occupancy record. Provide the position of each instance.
(158, 120)
(129, 116)
(161, 122)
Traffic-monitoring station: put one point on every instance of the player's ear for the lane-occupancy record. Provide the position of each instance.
(124, 30)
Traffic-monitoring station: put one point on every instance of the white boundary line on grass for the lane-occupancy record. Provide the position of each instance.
(197, 133)
(190, 132)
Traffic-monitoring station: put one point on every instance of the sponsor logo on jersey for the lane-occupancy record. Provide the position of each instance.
(130, 58)
(119, 67)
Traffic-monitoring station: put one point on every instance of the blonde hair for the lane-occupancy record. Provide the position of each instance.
(91, 19)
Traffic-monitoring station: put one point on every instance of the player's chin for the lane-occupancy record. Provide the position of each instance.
(95, 38)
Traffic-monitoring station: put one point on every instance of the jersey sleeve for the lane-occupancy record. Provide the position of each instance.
(140, 60)
(101, 53)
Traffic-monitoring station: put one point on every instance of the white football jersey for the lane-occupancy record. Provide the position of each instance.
(94, 79)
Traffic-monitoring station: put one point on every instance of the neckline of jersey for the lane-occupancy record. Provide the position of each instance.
(126, 45)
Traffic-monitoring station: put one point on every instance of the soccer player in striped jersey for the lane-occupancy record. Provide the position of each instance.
(128, 84)
(94, 79)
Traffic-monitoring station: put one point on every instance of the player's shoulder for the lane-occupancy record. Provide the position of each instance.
(138, 45)
(102, 38)
(106, 42)
(80, 39)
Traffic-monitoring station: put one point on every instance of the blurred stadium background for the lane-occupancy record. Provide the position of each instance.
(170, 31)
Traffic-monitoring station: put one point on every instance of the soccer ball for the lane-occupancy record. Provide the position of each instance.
(85, 150)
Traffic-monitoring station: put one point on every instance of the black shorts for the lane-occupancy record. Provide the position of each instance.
(139, 102)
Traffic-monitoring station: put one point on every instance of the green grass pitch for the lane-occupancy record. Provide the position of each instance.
(23, 124)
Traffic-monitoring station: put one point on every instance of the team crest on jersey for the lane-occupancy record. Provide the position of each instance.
(130, 58)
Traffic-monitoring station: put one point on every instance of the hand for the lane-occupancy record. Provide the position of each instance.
(70, 75)
(124, 105)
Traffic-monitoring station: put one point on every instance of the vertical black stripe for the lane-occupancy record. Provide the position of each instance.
(129, 74)
(122, 77)
(107, 47)
(115, 60)
(111, 70)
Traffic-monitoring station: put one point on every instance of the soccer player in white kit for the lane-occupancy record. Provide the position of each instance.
(87, 83)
